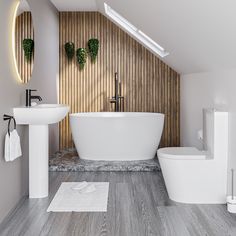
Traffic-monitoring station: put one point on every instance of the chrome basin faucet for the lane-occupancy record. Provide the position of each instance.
(29, 97)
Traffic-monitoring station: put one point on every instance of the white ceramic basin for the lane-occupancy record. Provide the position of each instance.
(42, 114)
(38, 118)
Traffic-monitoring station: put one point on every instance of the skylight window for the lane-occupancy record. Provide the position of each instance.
(141, 36)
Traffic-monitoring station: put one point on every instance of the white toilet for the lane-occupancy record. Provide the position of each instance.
(193, 176)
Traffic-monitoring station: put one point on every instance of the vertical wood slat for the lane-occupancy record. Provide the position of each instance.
(23, 29)
(148, 84)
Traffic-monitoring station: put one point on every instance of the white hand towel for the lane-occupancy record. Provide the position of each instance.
(7, 147)
(15, 147)
(12, 146)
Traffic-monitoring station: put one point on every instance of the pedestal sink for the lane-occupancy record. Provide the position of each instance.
(38, 118)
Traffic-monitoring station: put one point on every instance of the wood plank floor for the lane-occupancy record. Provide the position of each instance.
(138, 205)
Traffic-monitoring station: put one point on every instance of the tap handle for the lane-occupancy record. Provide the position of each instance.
(30, 90)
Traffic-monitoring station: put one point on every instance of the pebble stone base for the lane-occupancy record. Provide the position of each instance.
(68, 160)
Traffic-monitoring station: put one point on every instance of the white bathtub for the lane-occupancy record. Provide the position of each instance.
(116, 136)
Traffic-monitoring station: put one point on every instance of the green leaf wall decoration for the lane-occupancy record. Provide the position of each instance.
(28, 47)
(81, 55)
(93, 46)
(70, 50)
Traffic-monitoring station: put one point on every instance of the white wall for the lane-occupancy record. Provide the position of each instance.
(46, 64)
(14, 175)
(200, 90)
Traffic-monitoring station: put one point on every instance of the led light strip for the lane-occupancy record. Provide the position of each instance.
(13, 41)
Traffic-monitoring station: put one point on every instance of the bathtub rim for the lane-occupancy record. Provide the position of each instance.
(116, 114)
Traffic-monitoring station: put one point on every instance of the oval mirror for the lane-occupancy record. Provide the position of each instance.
(24, 42)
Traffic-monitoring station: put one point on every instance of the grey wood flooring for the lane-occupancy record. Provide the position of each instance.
(138, 205)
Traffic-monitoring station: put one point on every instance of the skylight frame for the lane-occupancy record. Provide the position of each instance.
(138, 34)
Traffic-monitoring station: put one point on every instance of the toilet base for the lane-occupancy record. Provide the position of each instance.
(195, 181)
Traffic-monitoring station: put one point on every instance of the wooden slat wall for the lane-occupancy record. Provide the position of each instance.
(24, 29)
(148, 84)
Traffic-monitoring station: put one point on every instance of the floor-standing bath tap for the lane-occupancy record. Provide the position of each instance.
(118, 99)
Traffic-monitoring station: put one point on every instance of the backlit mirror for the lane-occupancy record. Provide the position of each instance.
(23, 40)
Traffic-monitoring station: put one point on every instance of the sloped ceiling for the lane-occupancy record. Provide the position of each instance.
(24, 6)
(200, 35)
(75, 5)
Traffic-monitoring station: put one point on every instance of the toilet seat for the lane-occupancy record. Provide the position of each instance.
(181, 153)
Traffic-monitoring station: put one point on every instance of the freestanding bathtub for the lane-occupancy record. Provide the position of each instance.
(116, 136)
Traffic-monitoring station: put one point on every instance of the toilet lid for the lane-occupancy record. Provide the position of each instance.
(182, 153)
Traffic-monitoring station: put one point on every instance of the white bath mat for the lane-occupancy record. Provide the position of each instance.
(70, 197)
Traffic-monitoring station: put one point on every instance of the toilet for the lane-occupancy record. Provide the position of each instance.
(194, 176)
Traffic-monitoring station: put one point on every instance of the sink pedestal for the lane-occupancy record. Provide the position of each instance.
(38, 118)
(38, 161)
